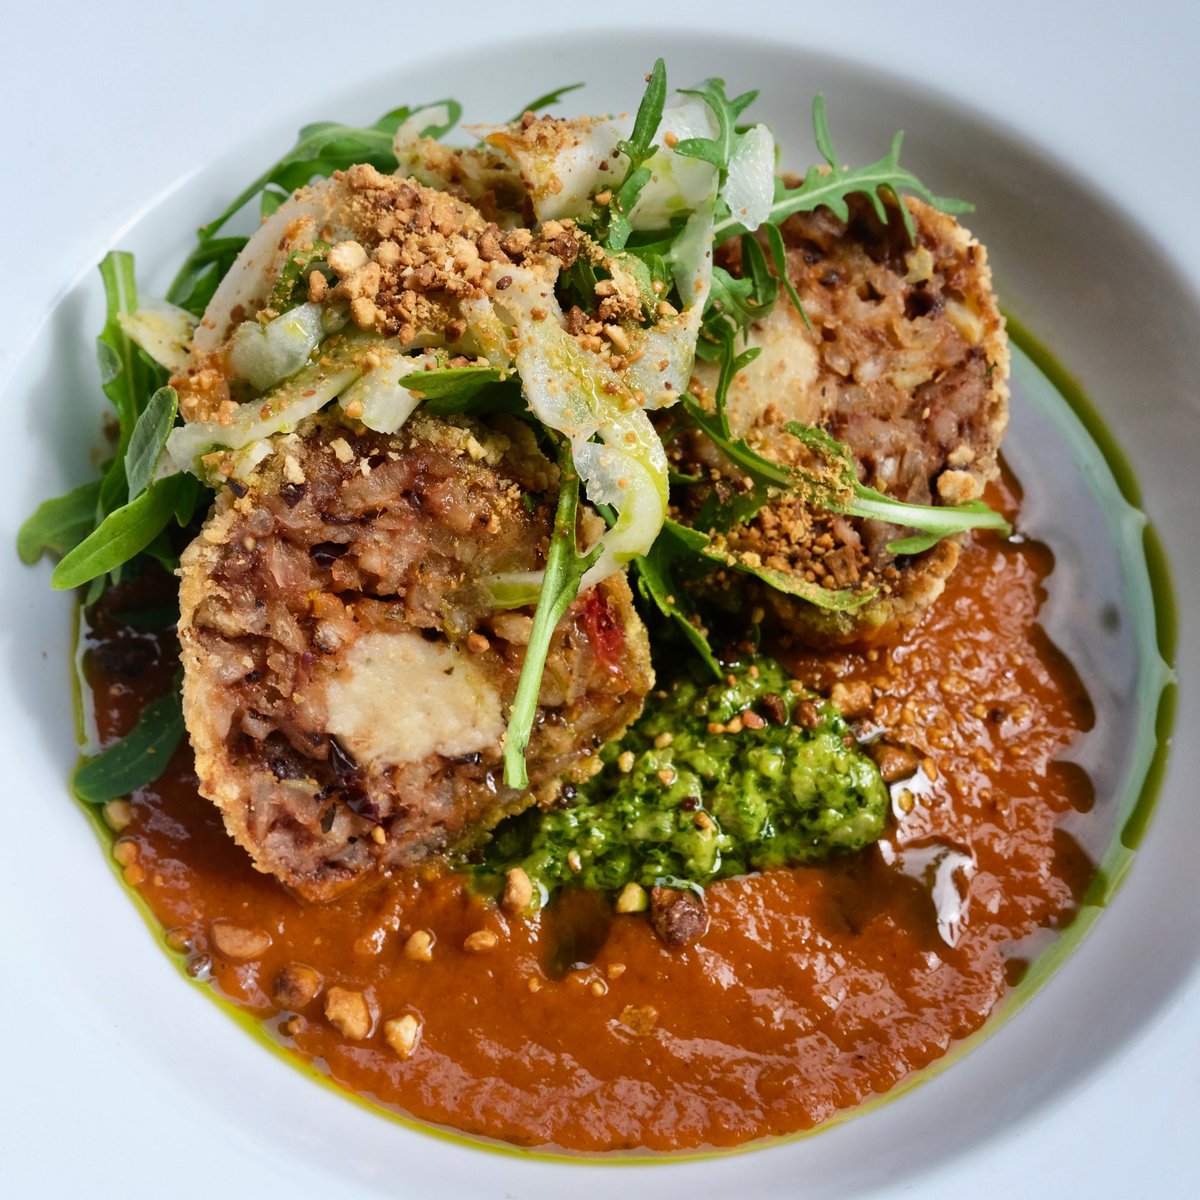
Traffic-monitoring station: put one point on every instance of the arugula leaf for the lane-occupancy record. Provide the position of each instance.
(760, 469)
(114, 489)
(778, 250)
(325, 147)
(59, 525)
(158, 616)
(140, 757)
(659, 581)
(831, 185)
(578, 283)
(545, 101)
(735, 302)
(720, 513)
(764, 285)
(619, 227)
(718, 150)
(298, 263)
(148, 439)
(269, 200)
(730, 302)
(565, 568)
(839, 490)
(476, 390)
(162, 552)
(121, 535)
(452, 382)
(202, 271)
(123, 373)
(695, 543)
(836, 489)
(833, 600)
(638, 147)
(188, 495)
(643, 273)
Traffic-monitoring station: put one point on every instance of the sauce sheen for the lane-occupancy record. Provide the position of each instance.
(815, 987)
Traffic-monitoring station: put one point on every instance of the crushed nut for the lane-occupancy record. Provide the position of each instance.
(852, 699)
(125, 852)
(318, 287)
(518, 892)
(618, 337)
(678, 917)
(482, 941)
(118, 814)
(632, 899)
(363, 312)
(403, 1033)
(419, 947)
(894, 763)
(239, 942)
(639, 1020)
(346, 257)
(348, 1012)
(296, 986)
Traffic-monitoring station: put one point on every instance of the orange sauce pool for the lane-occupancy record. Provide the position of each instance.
(814, 989)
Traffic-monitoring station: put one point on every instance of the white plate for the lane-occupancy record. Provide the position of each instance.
(116, 1068)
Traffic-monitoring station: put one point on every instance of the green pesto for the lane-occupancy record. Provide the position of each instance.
(705, 805)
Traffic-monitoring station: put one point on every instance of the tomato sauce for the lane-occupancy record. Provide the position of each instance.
(814, 989)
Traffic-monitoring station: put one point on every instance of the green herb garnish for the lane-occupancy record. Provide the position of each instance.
(102, 527)
(837, 488)
(58, 525)
(139, 758)
(718, 150)
(830, 187)
(148, 438)
(663, 577)
(546, 100)
(565, 567)
(638, 147)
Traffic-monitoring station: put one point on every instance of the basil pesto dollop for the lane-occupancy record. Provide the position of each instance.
(712, 781)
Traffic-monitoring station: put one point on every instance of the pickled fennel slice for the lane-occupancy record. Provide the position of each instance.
(614, 447)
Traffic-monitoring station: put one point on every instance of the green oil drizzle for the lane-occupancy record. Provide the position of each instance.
(1149, 582)
(1148, 585)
